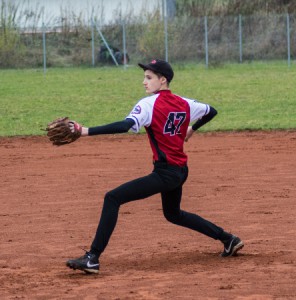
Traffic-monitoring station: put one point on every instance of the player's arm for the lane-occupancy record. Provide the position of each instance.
(139, 112)
(200, 122)
(205, 119)
(116, 127)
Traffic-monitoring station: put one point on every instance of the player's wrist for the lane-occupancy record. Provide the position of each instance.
(84, 131)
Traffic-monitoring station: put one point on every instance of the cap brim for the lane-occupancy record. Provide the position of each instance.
(146, 67)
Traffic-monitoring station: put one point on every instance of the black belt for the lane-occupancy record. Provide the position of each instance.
(162, 164)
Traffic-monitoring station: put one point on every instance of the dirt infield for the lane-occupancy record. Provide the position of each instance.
(51, 199)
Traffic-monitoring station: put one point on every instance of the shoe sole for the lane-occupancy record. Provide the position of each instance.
(236, 248)
(75, 267)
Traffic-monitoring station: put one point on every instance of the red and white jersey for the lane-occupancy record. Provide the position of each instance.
(166, 118)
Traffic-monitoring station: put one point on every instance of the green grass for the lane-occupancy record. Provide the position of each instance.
(258, 96)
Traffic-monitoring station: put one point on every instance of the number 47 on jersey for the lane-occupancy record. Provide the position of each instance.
(174, 123)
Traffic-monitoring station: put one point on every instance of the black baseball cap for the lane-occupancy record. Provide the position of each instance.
(159, 66)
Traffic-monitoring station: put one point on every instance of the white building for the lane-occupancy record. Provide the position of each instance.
(103, 10)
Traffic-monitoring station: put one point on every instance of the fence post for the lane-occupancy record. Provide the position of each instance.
(240, 39)
(288, 40)
(206, 41)
(165, 19)
(92, 43)
(44, 48)
(124, 44)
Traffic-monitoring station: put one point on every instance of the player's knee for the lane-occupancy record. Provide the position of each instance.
(111, 200)
(173, 217)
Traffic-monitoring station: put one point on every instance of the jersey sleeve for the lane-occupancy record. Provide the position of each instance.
(197, 109)
(141, 114)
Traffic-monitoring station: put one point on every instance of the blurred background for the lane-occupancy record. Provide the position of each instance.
(61, 33)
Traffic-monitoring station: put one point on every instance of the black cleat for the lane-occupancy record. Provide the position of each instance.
(88, 263)
(231, 246)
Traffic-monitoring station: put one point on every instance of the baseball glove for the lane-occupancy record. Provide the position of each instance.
(63, 131)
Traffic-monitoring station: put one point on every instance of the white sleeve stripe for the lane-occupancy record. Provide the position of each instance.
(136, 127)
(133, 118)
(138, 124)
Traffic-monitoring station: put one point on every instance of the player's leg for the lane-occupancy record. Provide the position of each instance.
(171, 201)
(134, 190)
(156, 182)
(171, 209)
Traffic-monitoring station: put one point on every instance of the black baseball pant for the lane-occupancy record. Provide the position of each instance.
(165, 179)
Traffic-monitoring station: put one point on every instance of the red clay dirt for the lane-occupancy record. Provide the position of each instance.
(51, 199)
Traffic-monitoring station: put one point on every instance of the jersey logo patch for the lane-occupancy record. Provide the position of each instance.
(174, 122)
(137, 110)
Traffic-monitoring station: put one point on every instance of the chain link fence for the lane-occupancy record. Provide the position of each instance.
(207, 40)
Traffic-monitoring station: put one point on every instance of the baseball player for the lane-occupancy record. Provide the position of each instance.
(166, 118)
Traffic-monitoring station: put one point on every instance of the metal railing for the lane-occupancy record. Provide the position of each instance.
(207, 40)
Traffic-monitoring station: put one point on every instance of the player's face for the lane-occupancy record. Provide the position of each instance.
(153, 83)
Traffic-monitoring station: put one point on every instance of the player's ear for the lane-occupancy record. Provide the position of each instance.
(163, 80)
